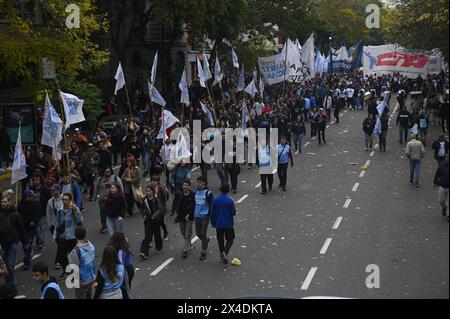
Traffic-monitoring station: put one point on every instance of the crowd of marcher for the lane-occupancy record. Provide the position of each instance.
(53, 198)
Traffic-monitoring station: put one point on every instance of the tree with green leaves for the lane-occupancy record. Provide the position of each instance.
(421, 25)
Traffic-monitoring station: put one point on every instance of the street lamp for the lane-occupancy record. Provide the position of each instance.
(331, 55)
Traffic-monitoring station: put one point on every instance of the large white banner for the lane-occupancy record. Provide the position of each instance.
(387, 59)
(273, 68)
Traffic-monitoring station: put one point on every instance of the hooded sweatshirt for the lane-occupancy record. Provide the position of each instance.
(83, 255)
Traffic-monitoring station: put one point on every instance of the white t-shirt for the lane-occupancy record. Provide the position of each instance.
(258, 108)
(350, 92)
(441, 149)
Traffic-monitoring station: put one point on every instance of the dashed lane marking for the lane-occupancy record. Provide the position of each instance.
(337, 223)
(258, 185)
(309, 278)
(372, 153)
(325, 246)
(362, 174)
(163, 265)
(242, 199)
(32, 258)
(347, 202)
(194, 240)
(195, 169)
(355, 187)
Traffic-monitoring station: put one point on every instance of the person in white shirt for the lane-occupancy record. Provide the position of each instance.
(328, 105)
(258, 107)
(350, 92)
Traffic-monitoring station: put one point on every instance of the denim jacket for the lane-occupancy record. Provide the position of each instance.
(67, 219)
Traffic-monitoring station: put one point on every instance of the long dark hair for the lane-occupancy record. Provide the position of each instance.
(120, 242)
(110, 261)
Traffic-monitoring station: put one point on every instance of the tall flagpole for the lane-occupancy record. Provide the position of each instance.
(286, 68)
(128, 100)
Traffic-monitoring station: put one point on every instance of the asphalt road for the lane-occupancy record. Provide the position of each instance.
(316, 239)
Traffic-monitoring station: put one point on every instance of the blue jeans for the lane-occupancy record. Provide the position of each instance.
(403, 130)
(10, 259)
(298, 141)
(40, 231)
(414, 171)
(367, 140)
(146, 161)
(28, 253)
(113, 224)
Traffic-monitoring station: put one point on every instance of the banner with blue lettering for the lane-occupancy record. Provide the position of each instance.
(273, 68)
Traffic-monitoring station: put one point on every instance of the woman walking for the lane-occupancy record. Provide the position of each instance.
(131, 179)
(152, 212)
(121, 245)
(115, 209)
(110, 276)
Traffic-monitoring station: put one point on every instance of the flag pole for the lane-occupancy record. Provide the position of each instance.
(285, 68)
(128, 100)
(65, 138)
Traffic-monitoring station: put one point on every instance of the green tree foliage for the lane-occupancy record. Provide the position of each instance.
(421, 25)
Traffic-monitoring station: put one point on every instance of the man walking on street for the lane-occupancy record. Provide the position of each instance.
(284, 156)
(185, 215)
(440, 148)
(83, 256)
(222, 212)
(203, 201)
(403, 122)
(415, 151)
(441, 181)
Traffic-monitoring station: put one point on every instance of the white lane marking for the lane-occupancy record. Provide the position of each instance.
(242, 199)
(309, 278)
(341, 115)
(362, 174)
(376, 146)
(355, 187)
(296, 153)
(194, 240)
(347, 202)
(243, 182)
(306, 144)
(311, 153)
(367, 163)
(372, 153)
(258, 185)
(332, 122)
(114, 168)
(276, 170)
(32, 258)
(325, 246)
(328, 126)
(314, 138)
(163, 265)
(194, 169)
(337, 223)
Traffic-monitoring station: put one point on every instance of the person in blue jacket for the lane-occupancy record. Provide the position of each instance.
(203, 202)
(50, 288)
(222, 212)
(73, 188)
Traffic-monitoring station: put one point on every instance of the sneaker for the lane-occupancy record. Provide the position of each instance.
(263, 192)
(151, 244)
(143, 256)
(234, 191)
(284, 189)
(58, 266)
(26, 267)
(444, 211)
(40, 247)
(166, 237)
(223, 259)
(417, 185)
(103, 230)
(202, 257)
(159, 252)
(184, 255)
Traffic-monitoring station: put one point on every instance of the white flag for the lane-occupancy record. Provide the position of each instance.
(168, 121)
(206, 70)
(251, 89)
(307, 58)
(154, 69)
(184, 89)
(73, 108)
(218, 76)
(19, 168)
(120, 79)
(241, 81)
(52, 125)
(201, 74)
(235, 59)
(155, 96)
(181, 149)
(245, 115)
(261, 86)
(414, 129)
(208, 112)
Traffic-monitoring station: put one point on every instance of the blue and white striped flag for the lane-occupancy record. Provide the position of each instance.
(52, 125)
(241, 81)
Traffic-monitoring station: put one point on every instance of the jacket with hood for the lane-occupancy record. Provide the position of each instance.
(83, 255)
(30, 214)
(115, 205)
(51, 290)
(15, 228)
